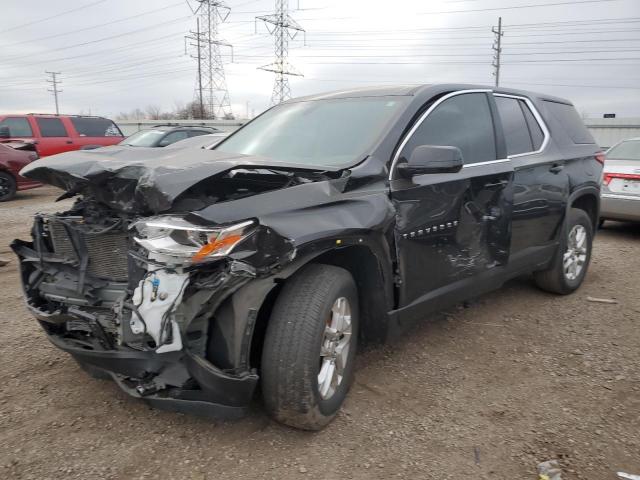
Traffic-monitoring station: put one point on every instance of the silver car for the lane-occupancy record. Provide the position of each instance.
(620, 197)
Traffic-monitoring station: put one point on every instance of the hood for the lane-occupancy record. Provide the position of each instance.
(134, 179)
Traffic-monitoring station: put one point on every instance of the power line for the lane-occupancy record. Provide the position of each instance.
(16, 27)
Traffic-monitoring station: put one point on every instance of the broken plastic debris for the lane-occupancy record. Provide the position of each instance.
(549, 470)
(601, 300)
(628, 476)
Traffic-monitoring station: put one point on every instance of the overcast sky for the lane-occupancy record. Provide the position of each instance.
(116, 55)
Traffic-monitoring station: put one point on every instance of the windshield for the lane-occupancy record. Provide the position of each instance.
(627, 150)
(144, 138)
(318, 133)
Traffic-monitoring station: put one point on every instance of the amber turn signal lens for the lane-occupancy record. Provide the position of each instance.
(214, 246)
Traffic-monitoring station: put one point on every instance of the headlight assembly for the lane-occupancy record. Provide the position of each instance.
(189, 243)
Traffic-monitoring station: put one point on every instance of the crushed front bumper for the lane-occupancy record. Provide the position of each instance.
(216, 394)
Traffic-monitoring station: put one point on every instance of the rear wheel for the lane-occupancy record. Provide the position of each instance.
(8, 186)
(309, 348)
(572, 259)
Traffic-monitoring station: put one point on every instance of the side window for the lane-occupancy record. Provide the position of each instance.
(537, 136)
(173, 137)
(462, 121)
(51, 127)
(514, 126)
(18, 126)
(197, 133)
(571, 122)
(95, 127)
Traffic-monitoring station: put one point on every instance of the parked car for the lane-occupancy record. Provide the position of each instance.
(203, 141)
(54, 134)
(14, 156)
(621, 182)
(164, 135)
(194, 274)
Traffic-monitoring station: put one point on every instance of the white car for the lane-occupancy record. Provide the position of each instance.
(620, 194)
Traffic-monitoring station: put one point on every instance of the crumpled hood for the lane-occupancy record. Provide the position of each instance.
(134, 179)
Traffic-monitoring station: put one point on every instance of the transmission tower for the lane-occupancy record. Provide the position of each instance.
(211, 90)
(283, 28)
(55, 90)
(497, 49)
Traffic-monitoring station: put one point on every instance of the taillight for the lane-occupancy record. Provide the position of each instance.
(600, 157)
(610, 176)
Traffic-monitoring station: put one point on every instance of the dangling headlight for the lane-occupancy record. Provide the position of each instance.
(189, 243)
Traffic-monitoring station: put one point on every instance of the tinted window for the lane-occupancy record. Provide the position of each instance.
(318, 132)
(514, 126)
(95, 127)
(173, 137)
(463, 121)
(570, 121)
(627, 150)
(18, 127)
(144, 138)
(197, 133)
(537, 136)
(51, 127)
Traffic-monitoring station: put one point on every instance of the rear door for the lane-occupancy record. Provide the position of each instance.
(541, 182)
(54, 137)
(453, 230)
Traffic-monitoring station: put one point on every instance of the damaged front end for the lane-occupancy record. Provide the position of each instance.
(138, 297)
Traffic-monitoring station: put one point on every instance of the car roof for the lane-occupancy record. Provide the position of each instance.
(168, 127)
(416, 90)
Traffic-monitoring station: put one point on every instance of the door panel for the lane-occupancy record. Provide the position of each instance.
(54, 137)
(450, 227)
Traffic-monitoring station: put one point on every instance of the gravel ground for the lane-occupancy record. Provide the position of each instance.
(487, 390)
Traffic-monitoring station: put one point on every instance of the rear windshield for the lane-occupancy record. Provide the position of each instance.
(95, 127)
(144, 138)
(627, 150)
(570, 121)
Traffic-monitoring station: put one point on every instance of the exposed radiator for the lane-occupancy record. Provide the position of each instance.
(107, 252)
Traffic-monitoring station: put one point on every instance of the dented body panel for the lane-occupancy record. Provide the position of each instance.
(185, 334)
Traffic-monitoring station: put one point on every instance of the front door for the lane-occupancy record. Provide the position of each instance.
(453, 229)
(54, 137)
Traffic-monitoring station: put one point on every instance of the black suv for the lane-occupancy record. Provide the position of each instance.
(164, 135)
(188, 276)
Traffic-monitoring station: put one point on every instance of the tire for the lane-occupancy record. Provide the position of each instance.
(298, 347)
(556, 279)
(8, 187)
(94, 372)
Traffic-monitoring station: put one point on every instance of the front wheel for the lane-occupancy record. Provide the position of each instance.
(309, 347)
(8, 186)
(570, 265)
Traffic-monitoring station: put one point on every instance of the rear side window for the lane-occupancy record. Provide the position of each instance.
(537, 136)
(197, 133)
(51, 127)
(462, 121)
(18, 126)
(95, 127)
(514, 126)
(571, 122)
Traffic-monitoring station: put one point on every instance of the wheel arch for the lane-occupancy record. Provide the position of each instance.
(375, 292)
(588, 200)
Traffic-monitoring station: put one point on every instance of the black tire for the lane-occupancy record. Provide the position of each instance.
(8, 187)
(94, 372)
(291, 356)
(554, 279)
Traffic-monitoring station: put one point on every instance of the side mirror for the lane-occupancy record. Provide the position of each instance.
(5, 132)
(432, 159)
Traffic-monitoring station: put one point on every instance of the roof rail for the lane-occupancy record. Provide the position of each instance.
(199, 125)
(62, 115)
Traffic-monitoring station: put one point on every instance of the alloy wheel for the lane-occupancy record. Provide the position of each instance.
(334, 352)
(575, 256)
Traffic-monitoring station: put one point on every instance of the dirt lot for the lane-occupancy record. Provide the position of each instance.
(487, 391)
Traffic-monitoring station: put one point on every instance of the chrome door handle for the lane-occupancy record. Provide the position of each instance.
(556, 168)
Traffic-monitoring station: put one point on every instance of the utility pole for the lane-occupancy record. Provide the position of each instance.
(54, 83)
(497, 49)
(283, 28)
(211, 90)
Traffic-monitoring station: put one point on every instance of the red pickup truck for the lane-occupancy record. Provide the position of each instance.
(59, 133)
